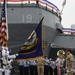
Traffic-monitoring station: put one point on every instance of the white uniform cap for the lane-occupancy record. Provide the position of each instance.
(50, 58)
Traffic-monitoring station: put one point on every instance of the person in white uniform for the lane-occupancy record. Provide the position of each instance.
(5, 62)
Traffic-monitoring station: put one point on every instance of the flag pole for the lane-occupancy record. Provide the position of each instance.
(43, 35)
(4, 31)
(63, 4)
(42, 38)
(62, 9)
(6, 27)
(6, 19)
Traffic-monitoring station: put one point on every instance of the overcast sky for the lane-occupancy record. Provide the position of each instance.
(68, 14)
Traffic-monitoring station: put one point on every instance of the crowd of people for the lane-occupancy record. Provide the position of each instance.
(46, 66)
(40, 65)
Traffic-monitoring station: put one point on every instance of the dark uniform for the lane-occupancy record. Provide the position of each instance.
(20, 63)
(46, 67)
(33, 67)
(51, 67)
(55, 68)
(26, 67)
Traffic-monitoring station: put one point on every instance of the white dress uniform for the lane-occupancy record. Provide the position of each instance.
(1, 70)
(6, 63)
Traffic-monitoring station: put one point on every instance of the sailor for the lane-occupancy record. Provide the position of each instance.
(33, 67)
(69, 62)
(10, 56)
(26, 67)
(55, 68)
(5, 61)
(11, 64)
(6, 71)
(20, 64)
(3, 57)
(46, 66)
(1, 71)
(40, 65)
(51, 66)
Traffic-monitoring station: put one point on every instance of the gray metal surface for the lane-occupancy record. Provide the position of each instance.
(23, 19)
(31, 13)
(18, 34)
(65, 41)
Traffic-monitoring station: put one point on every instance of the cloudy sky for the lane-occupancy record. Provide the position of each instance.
(68, 14)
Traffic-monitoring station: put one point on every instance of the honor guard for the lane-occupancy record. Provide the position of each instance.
(55, 68)
(26, 67)
(1, 71)
(51, 66)
(33, 67)
(46, 66)
(20, 64)
(5, 72)
(5, 62)
(5, 53)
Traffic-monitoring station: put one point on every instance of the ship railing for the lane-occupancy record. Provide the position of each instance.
(45, 3)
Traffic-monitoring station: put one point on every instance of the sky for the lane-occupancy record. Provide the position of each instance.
(68, 14)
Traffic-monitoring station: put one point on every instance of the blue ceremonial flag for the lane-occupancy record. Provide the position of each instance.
(32, 48)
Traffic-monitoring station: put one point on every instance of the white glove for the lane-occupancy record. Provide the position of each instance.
(10, 61)
(16, 54)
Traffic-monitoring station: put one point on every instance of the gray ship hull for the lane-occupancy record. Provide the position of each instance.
(18, 35)
(23, 19)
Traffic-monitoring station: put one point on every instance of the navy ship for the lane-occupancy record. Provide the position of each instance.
(23, 19)
(24, 16)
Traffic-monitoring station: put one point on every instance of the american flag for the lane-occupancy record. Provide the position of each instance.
(64, 2)
(3, 27)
